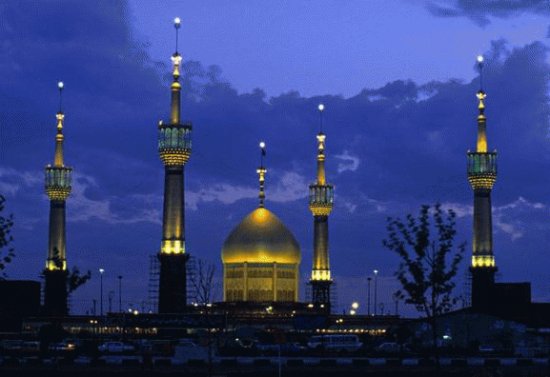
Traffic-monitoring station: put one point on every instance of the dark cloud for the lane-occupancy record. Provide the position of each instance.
(401, 145)
(481, 11)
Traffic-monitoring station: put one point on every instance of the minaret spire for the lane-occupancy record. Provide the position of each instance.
(174, 146)
(58, 157)
(261, 175)
(321, 177)
(482, 174)
(58, 188)
(321, 198)
(176, 87)
(481, 120)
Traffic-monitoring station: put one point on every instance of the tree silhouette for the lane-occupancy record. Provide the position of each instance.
(7, 252)
(75, 279)
(429, 261)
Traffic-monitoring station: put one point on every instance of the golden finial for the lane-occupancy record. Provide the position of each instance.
(261, 174)
(58, 158)
(176, 57)
(481, 95)
(321, 180)
(176, 87)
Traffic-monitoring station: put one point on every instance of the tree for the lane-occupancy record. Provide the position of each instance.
(75, 279)
(202, 282)
(6, 251)
(429, 261)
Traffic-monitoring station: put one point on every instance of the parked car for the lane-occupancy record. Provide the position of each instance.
(187, 350)
(335, 342)
(286, 348)
(62, 346)
(115, 347)
(388, 347)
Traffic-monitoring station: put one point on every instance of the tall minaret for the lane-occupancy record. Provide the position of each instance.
(58, 188)
(482, 174)
(174, 149)
(321, 198)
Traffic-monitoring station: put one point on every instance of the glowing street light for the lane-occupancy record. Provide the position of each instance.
(480, 59)
(101, 271)
(355, 305)
(375, 290)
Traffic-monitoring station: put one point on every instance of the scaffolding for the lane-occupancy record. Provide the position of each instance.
(154, 281)
(333, 294)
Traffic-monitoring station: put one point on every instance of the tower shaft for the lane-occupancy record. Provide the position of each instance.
(482, 174)
(320, 247)
(321, 198)
(174, 150)
(173, 225)
(58, 188)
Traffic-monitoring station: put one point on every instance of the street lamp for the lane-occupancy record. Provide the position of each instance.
(368, 295)
(355, 305)
(101, 271)
(120, 293)
(375, 290)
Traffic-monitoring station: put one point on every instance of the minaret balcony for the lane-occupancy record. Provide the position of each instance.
(483, 261)
(320, 275)
(321, 199)
(174, 143)
(56, 265)
(58, 182)
(482, 170)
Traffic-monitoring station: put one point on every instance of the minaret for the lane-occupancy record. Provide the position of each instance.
(482, 174)
(321, 198)
(174, 149)
(58, 188)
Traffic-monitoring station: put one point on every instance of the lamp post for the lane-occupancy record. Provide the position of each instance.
(368, 295)
(354, 307)
(101, 271)
(375, 291)
(120, 293)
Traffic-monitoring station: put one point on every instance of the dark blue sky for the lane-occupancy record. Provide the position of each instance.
(398, 82)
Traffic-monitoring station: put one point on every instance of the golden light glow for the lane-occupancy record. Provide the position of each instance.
(318, 209)
(481, 133)
(261, 238)
(172, 247)
(174, 157)
(323, 275)
(52, 265)
(482, 181)
(483, 261)
(58, 193)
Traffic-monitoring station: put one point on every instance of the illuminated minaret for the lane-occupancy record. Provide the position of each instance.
(174, 149)
(58, 188)
(482, 174)
(321, 198)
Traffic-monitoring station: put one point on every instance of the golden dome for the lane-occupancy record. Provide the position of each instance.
(261, 238)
